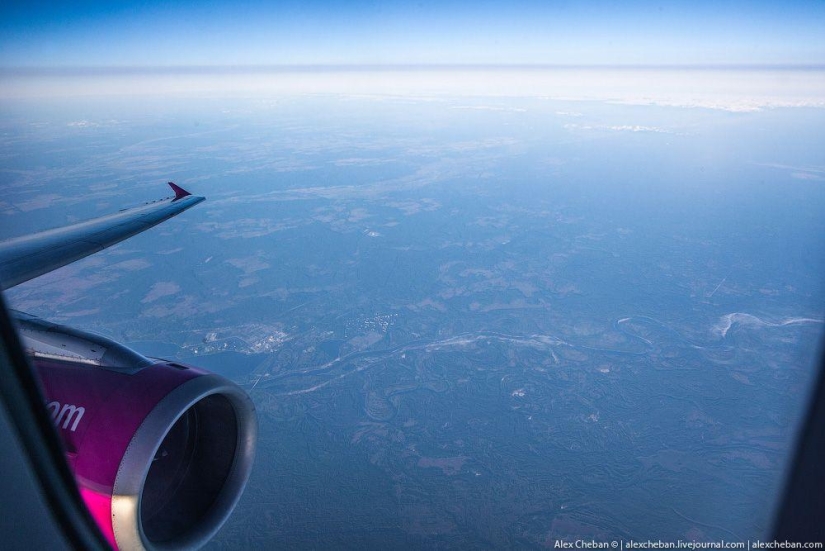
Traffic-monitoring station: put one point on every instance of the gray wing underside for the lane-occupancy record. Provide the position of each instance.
(27, 257)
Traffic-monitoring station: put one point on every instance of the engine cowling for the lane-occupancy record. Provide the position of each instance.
(161, 451)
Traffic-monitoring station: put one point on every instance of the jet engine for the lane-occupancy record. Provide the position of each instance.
(161, 451)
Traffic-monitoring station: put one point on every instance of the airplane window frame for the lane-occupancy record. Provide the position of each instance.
(42, 448)
(801, 514)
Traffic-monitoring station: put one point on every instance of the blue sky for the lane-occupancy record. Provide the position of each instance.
(88, 33)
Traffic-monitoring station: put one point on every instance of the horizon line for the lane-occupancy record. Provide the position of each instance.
(194, 69)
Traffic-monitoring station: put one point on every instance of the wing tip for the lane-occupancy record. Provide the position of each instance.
(180, 193)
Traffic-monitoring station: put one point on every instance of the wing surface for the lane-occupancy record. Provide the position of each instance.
(25, 258)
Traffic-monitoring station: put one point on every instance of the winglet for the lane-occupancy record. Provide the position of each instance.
(180, 193)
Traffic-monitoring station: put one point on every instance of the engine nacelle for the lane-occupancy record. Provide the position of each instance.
(161, 451)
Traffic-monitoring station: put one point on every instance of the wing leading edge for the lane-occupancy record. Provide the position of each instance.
(27, 257)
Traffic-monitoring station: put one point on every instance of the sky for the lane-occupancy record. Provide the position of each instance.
(230, 33)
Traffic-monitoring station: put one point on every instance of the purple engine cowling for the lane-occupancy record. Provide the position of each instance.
(161, 451)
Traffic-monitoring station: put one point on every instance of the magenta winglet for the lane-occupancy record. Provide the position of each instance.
(180, 193)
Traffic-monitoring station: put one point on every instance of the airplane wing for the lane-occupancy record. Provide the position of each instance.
(27, 257)
(160, 451)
